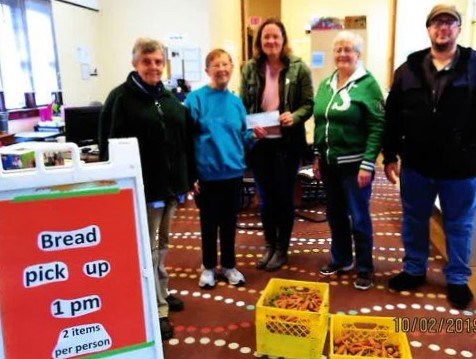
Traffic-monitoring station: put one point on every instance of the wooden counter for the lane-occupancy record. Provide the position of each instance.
(7, 139)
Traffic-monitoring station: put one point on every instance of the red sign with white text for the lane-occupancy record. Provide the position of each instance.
(70, 278)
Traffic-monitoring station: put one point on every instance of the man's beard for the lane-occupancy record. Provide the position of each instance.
(442, 47)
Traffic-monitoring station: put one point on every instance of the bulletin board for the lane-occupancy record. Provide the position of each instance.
(76, 276)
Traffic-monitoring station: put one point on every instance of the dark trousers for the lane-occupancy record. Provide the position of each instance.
(219, 203)
(275, 171)
(348, 213)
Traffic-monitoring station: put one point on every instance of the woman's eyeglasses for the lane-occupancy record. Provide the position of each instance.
(344, 50)
(225, 65)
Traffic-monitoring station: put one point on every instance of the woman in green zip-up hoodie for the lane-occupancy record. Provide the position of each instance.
(349, 118)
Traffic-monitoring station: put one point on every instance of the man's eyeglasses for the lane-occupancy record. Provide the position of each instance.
(441, 22)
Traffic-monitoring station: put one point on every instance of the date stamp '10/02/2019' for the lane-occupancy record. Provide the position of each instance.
(434, 325)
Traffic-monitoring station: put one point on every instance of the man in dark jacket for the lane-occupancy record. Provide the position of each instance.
(431, 126)
(141, 107)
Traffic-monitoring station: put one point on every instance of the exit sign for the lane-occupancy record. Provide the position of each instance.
(255, 20)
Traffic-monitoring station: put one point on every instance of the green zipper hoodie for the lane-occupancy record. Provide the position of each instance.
(349, 121)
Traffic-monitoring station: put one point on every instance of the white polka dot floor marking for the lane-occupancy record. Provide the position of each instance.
(189, 340)
(233, 346)
(450, 351)
(173, 341)
(204, 340)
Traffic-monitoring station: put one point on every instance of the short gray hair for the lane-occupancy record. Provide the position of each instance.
(355, 39)
(146, 45)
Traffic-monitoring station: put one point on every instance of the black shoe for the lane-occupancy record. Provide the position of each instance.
(363, 281)
(331, 269)
(459, 295)
(166, 328)
(267, 255)
(278, 259)
(404, 281)
(175, 304)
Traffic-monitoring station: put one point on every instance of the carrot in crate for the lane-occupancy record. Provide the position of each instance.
(298, 298)
(358, 343)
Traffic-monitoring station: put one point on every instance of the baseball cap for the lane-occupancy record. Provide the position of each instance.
(443, 9)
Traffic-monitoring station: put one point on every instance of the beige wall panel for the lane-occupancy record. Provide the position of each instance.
(123, 21)
(263, 8)
(412, 35)
(111, 33)
(321, 41)
(225, 27)
(77, 27)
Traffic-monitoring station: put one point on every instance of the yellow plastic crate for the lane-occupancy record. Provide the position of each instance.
(291, 333)
(358, 329)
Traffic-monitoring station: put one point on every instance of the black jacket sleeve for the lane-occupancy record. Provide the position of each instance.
(105, 120)
(392, 136)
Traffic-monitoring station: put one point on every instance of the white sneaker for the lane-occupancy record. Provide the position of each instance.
(233, 276)
(207, 278)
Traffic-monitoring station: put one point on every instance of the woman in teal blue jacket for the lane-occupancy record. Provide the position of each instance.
(220, 137)
(349, 118)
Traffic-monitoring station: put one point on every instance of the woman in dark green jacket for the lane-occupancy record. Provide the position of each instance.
(274, 80)
(141, 107)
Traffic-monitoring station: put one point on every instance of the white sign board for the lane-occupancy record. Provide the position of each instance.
(76, 272)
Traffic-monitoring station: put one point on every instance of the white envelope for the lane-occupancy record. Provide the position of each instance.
(263, 119)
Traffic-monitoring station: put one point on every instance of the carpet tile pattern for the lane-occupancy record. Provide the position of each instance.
(220, 323)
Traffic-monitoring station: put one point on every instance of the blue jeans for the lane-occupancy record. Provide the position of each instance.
(458, 205)
(348, 213)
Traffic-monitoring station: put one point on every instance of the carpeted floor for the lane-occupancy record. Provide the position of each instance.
(220, 323)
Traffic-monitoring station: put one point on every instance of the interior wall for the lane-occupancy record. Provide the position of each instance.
(378, 13)
(225, 27)
(123, 21)
(263, 8)
(258, 8)
(77, 27)
(110, 33)
(471, 19)
(412, 35)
